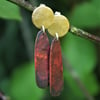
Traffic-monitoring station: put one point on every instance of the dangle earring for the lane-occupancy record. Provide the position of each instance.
(58, 29)
(48, 63)
(41, 53)
(42, 17)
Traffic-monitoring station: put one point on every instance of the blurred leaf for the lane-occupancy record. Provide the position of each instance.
(85, 15)
(1, 70)
(4, 85)
(96, 3)
(89, 82)
(81, 54)
(9, 10)
(73, 85)
(23, 84)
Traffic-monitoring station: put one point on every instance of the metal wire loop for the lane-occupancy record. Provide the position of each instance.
(43, 28)
(57, 36)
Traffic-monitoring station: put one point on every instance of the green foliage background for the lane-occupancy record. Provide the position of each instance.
(17, 36)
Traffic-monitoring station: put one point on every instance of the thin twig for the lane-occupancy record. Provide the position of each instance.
(23, 3)
(75, 76)
(73, 29)
(82, 33)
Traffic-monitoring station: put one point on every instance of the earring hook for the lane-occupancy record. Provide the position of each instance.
(57, 36)
(43, 28)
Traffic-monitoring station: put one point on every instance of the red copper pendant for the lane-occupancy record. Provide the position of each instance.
(41, 59)
(56, 68)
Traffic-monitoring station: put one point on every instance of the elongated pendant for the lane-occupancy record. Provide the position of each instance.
(41, 59)
(56, 68)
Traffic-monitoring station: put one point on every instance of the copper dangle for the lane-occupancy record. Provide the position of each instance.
(56, 68)
(42, 17)
(41, 59)
(58, 29)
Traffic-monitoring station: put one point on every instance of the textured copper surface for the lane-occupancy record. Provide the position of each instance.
(41, 59)
(56, 68)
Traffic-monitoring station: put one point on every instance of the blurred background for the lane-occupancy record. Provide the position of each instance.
(17, 37)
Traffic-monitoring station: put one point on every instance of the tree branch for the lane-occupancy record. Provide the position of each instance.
(24, 4)
(81, 33)
(73, 29)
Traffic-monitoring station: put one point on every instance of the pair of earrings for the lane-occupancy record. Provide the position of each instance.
(48, 59)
